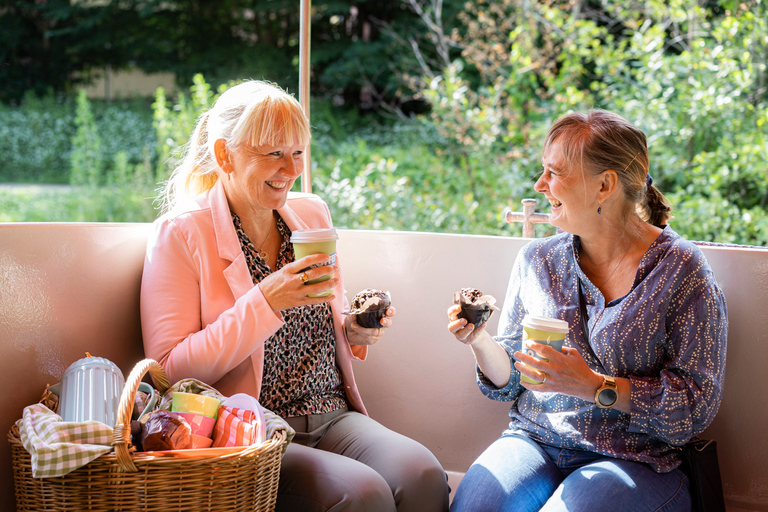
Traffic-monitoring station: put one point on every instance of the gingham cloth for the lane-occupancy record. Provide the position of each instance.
(57, 447)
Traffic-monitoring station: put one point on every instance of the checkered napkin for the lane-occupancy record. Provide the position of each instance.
(57, 447)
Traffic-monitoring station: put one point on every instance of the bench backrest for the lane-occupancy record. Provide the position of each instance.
(65, 289)
(70, 288)
(420, 381)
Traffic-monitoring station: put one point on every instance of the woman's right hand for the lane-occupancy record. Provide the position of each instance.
(285, 288)
(491, 357)
(465, 332)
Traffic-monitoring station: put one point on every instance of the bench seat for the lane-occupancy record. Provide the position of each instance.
(68, 288)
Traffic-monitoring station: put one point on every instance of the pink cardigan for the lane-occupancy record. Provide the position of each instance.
(201, 315)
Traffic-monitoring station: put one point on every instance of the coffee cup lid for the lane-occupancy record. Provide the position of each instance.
(544, 323)
(313, 235)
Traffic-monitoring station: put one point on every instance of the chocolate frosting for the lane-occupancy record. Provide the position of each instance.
(474, 298)
(369, 300)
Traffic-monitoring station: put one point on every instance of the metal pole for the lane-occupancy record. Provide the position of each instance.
(304, 45)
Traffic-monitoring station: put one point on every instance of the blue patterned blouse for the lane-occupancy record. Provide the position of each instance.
(667, 335)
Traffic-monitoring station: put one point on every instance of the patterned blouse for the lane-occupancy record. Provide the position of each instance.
(300, 373)
(667, 335)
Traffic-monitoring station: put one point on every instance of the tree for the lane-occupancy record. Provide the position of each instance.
(31, 59)
(50, 43)
(693, 77)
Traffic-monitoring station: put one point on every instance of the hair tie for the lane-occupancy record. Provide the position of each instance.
(648, 180)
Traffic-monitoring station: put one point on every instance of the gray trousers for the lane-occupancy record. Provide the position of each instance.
(346, 461)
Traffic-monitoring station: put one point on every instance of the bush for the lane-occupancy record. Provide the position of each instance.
(478, 151)
(64, 203)
(36, 138)
(693, 78)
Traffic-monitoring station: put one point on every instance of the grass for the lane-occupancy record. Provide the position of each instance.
(52, 203)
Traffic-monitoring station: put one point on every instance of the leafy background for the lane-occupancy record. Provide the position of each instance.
(428, 115)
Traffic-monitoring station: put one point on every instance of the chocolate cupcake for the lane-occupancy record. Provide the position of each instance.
(475, 306)
(370, 306)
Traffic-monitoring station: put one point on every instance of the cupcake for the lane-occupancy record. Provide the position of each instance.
(475, 306)
(370, 306)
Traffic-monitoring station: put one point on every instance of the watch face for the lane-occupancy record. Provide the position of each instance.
(607, 397)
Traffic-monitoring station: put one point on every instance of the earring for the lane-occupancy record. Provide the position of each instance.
(229, 176)
(599, 208)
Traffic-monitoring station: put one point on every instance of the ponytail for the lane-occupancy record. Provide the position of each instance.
(654, 208)
(197, 171)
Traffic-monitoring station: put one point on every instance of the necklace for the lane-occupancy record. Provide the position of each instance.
(261, 252)
(614, 268)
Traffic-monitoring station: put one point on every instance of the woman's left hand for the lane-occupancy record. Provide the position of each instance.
(360, 335)
(566, 372)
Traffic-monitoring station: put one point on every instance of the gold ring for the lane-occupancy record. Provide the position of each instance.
(304, 277)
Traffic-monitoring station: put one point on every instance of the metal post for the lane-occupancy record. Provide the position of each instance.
(304, 46)
(528, 217)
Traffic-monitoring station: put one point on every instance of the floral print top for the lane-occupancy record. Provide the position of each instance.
(300, 375)
(667, 336)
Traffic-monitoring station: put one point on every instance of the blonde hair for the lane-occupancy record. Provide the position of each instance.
(599, 140)
(253, 112)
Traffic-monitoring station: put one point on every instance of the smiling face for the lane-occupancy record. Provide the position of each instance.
(261, 177)
(571, 192)
(258, 135)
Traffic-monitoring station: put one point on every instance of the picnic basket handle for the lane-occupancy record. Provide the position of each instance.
(122, 439)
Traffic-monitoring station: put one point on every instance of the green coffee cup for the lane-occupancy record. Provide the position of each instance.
(316, 241)
(547, 331)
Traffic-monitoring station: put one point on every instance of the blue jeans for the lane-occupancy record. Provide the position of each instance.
(520, 475)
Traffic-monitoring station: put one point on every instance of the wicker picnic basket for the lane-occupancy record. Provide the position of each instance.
(126, 480)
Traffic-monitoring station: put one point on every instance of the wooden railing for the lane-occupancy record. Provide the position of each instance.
(528, 217)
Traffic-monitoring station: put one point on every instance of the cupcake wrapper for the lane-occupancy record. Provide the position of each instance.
(476, 316)
(370, 319)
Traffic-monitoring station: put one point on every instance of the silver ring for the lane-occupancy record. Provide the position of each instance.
(545, 378)
(303, 277)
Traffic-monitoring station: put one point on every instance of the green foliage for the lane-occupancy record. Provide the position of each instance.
(693, 79)
(86, 158)
(64, 203)
(394, 176)
(50, 44)
(174, 124)
(106, 185)
(36, 137)
(35, 140)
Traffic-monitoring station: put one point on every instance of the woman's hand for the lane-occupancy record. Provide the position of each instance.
(465, 332)
(285, 288)
(491, 357)
(566, 372)
(360, 335)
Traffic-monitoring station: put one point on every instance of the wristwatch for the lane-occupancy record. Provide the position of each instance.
(607, 395)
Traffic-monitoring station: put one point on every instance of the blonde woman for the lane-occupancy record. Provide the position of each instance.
(223, 300)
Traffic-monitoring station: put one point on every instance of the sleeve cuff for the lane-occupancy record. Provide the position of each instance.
(506, 393)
